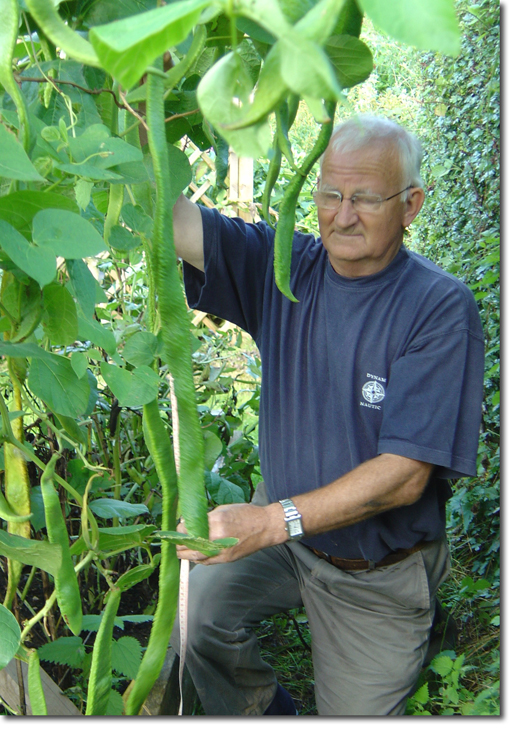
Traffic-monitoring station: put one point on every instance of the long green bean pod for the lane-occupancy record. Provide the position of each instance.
(9, 16)
(287, 219)
(272, 175)
(176, 351)
(16, 486)
(66, 584)
(159, 446)
(35, 686)
(114, 209)
(100, 678)
(282, 131)
(285, 115)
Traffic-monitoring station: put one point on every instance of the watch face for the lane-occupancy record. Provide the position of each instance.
(295, 529)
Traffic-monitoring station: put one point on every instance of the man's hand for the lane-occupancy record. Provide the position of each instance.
(384, 483)
(255, 527)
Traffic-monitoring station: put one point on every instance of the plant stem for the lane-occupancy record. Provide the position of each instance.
(51, 600)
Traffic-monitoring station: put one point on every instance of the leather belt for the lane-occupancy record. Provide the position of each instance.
(360, 564)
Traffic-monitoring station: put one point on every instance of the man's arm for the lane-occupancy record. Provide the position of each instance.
(380, 484)
(188, 232)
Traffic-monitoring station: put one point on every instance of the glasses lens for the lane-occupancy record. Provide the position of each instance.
(366, 203)
(329, 200)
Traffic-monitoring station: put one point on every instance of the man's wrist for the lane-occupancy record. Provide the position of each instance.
(292, 519)
(276, 530)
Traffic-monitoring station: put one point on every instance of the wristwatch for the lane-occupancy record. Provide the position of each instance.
(293, 523)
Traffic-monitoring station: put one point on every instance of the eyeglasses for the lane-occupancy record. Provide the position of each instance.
(361, 202)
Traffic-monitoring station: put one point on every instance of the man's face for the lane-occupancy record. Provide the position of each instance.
(360, 244)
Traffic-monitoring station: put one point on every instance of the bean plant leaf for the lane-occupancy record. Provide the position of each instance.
(121, 239)
(429, 26)
(207, 547)
(84, 285)
(182, 171)
(136, 219)
(14, 162)
(213, 448)
(59, 315)
(55, 382)
(31, 552)
(36, 261)
(351, 58)
(320, 20)
(136, 575)
(19, 208)
(305, 68)
(66, 650)
(38, 519)
(24, 349)
(141, 349)
(126, 656)
(95, 146)
(66, 234)
(222, 490)
(132, 389)
(109, 508)
(112, 541)
(269, 14)
(109, 10)
(92, 331)
(77, 433)
(79, 363)
(126, 47)
(83, 193)
(223, 96)
(11, 634)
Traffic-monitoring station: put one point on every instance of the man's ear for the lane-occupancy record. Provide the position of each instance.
(413, 206)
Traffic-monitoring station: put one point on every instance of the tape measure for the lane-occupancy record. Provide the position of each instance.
(183, 602)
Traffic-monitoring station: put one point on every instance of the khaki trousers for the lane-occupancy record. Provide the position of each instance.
(370, 629)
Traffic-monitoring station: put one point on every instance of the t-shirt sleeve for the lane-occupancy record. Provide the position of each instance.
(236, 256)
(432, 409)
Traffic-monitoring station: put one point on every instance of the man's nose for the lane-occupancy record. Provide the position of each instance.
(346, 215)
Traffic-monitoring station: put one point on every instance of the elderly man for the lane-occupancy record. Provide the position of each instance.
(370, 403)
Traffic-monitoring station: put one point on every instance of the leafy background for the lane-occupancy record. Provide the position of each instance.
(85, 394)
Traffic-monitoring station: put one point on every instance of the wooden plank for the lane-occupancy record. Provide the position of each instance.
(204, 198)
(56, 701)
(200, 192)
(241, 186)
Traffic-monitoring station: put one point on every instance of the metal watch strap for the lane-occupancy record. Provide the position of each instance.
(293, 523)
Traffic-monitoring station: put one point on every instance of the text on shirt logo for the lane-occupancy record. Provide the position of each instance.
(373, 391)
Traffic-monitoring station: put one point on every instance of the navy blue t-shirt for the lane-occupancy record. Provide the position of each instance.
(387, 363)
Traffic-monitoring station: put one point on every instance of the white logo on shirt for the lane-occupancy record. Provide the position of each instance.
(373, 392)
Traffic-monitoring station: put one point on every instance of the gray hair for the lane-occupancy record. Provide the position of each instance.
(365, 129)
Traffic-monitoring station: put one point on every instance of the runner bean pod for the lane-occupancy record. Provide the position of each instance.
(159, 446)
(100, 678)
(287, 219)
(9, 15)
(176, 347)
(66, 584)
(35, 686)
